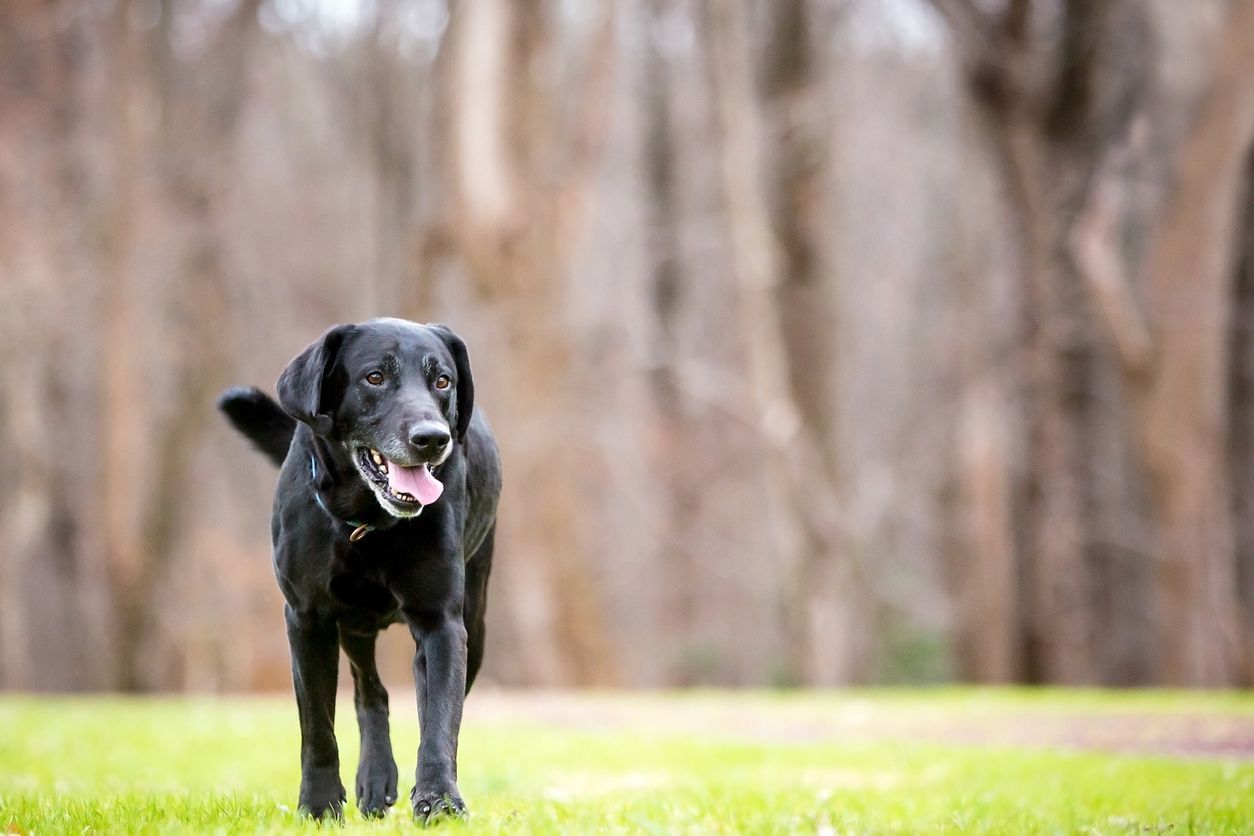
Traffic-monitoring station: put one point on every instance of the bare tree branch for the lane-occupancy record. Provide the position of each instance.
(970, 28)
(980, 43)
(591, 126)
(1095, 247)
(1017, 20)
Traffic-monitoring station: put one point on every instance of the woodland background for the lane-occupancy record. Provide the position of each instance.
(827, 341)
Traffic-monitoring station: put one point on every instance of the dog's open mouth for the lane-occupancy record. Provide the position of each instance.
(407, 487)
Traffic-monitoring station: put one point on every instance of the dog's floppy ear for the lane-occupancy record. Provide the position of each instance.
(301, 383)
(465, 382)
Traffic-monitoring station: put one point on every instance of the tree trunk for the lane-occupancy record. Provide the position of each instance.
(1041, 186)
(1053, 105)
(124, 406)
(826, 602)
(1183, 401)
(507, 140)
(194, 152)
(1241, 428)
(676, 428)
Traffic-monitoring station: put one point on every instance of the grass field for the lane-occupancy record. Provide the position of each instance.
(950, 761)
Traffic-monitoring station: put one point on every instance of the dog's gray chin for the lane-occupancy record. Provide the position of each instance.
(387, 504)
(401, 513)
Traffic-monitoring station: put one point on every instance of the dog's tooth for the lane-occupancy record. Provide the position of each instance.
(378, 459)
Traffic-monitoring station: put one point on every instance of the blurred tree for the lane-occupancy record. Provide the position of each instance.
(1241, 421)
(1186, 388)
(1066, 98)
(52, 618)
(199, 97)
(788, 334)
(522, 157)
(802, 374)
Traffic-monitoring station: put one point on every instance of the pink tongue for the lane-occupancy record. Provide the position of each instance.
(417, 481)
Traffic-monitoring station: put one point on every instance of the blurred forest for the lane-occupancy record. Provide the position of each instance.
(827, 341)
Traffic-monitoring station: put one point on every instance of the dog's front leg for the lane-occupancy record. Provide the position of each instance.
(440, 672)
(315, 650)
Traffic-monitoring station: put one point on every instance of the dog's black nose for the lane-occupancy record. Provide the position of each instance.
(429, 438)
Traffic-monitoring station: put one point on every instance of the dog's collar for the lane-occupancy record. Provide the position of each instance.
(360, 529)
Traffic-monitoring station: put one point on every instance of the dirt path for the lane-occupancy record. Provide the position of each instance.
(1184, 730)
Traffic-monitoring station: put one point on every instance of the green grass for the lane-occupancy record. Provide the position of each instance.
(862, 762)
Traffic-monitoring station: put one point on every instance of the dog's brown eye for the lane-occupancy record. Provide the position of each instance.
(374, 378)
(443, 382)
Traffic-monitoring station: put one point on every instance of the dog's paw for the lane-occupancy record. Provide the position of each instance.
(376, 788)
(323, 808)
(431, 807)
(322, 794)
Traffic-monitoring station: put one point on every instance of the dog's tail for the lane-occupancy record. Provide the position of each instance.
(260, 419)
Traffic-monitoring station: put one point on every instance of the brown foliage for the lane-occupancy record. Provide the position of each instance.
(811, 360)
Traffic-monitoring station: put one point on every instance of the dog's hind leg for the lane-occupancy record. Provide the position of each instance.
(376, 770)
(476, 603)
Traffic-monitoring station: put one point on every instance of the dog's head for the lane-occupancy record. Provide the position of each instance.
(394, 394)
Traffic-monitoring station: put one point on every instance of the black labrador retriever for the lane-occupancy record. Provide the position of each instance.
(385, 511)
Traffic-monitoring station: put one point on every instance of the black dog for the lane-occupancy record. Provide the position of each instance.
(385, 511)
